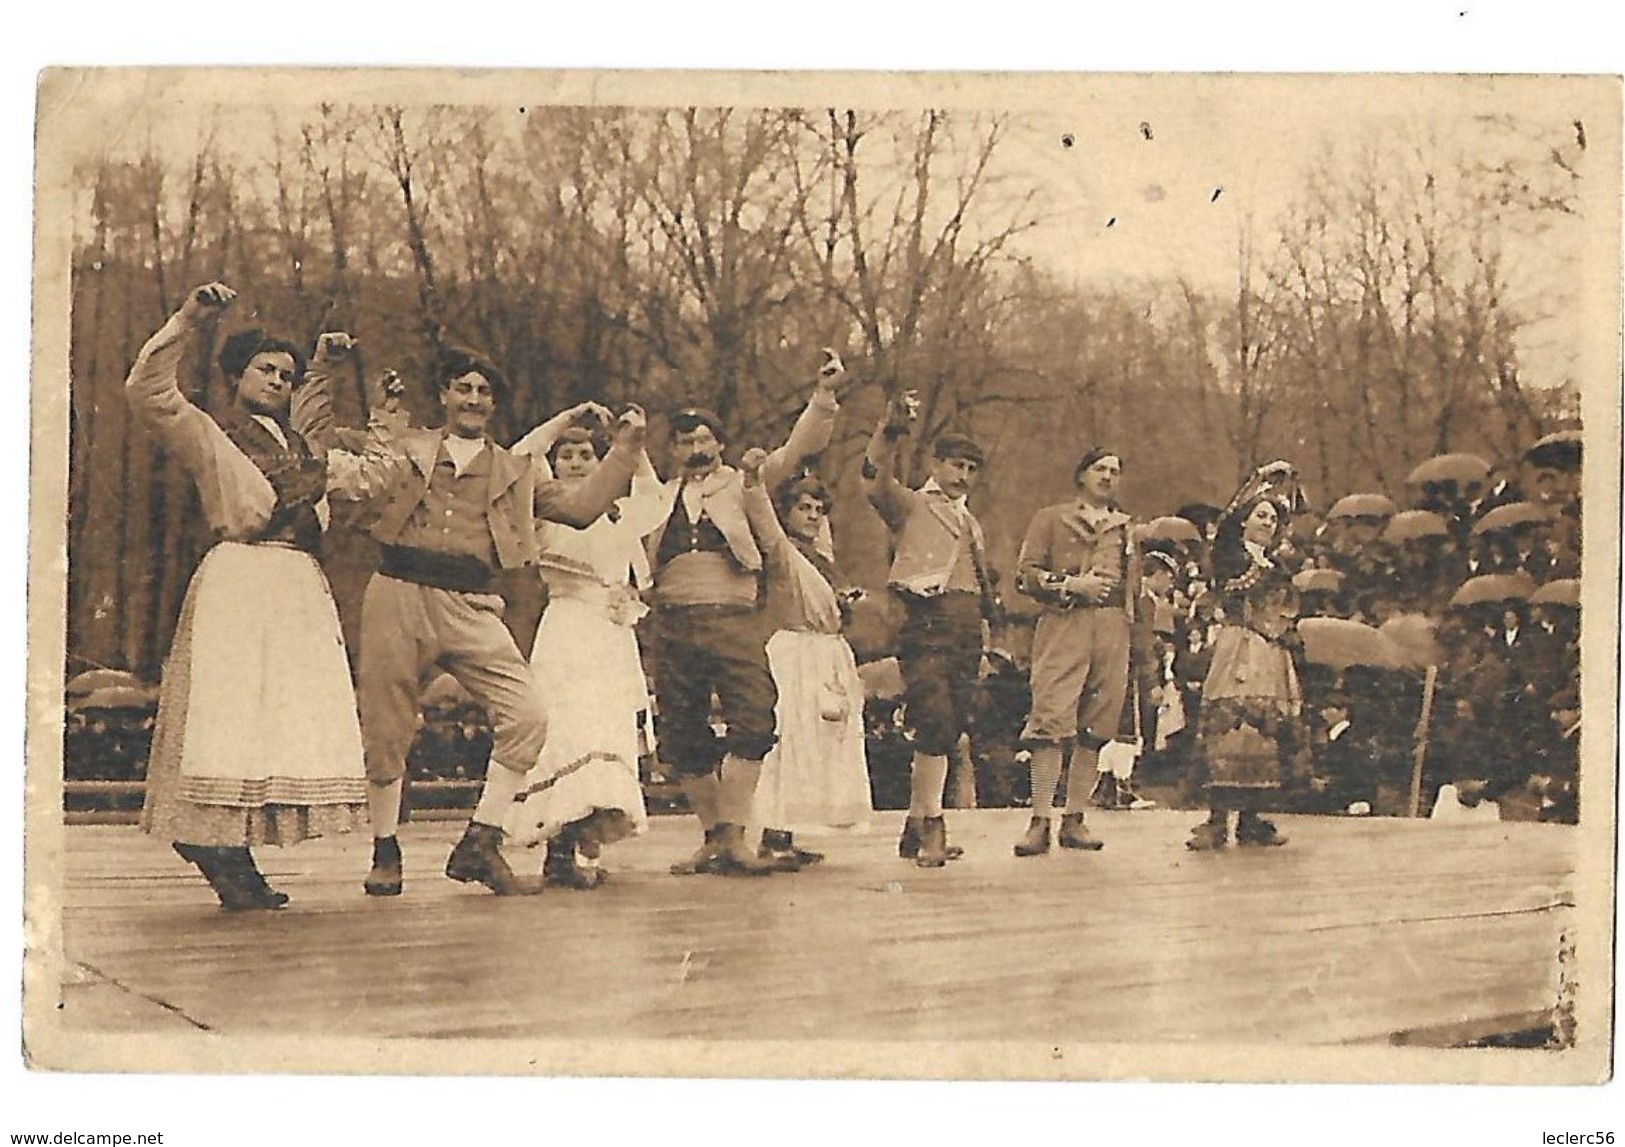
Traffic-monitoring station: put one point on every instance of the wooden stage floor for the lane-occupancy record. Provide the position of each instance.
(1359, 931)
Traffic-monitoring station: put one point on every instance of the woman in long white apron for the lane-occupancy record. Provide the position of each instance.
(585, 791)
(256, 740)
(817, 772)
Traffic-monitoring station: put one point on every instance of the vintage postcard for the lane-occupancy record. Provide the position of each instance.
(824, 575)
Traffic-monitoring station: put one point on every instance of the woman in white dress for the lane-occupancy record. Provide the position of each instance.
(584, 791)
(817, 773)
(256, 740)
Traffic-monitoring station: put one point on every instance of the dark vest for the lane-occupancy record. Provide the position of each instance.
(299, 480)
(684, 536)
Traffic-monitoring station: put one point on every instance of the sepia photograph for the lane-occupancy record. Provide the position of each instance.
(813, 575)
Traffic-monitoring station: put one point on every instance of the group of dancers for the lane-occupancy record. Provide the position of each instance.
(262, 738)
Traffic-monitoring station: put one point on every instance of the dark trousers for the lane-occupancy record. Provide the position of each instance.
(706, 650)
(940, 653)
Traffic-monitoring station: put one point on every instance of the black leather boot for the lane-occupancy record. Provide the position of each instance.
(1254, 831)
(242, 865)
(702, 859)
(562, 867)
(933, 843)
(735, 858)
(478, 859)
(384, 878)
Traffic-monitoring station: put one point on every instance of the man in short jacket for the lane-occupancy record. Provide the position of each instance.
(939, 572)
(459, 509)
(1079, 560)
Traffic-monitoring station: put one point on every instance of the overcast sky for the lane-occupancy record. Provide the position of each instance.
(1126, 167)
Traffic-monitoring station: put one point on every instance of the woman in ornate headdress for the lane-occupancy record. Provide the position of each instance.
(1250, 727)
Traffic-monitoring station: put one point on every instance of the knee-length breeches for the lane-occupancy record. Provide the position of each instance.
(1079, 675)
(408, 628)
(940, 654)
(708, 650)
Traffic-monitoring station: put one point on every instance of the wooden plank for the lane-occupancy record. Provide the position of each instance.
(1358, 930)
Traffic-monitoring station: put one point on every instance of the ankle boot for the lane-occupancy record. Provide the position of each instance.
(478, 859)
(562, 868)
(242, 865)
(934, 850)
(908, 845)
(1104, 794)
(734, 857)
(212, 863)
(1254, 831)
(1210, 835)
(1036, 842)
(384, 878)
(804, 857)
(1075, 834)
(703, 859)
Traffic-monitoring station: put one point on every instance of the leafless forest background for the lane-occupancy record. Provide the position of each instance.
(678, 256)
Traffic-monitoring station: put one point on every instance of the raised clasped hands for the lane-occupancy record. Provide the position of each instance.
(631, 428)
(206, 303)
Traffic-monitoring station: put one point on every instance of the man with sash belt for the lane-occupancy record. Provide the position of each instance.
(1079, 560)
(939, 571)
(710, 630)
(459, 509)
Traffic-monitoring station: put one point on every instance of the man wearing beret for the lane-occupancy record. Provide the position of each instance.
(939, 571)
(455, 510)
(1080, 562)
(709, 628)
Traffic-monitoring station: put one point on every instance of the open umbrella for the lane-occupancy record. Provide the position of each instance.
(1450, 468)
(119, 697)
(1327, 581)
(1559, 451)
(1492, 589)
(1338, 644)
(1202, 513)
(1171, 529)
(1362, 506)
(1510, 516)
(1563, 591)
(1413, 524)
(91, 680)
(1416, 638)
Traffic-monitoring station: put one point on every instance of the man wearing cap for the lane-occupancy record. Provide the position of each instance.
(939, 571)
(1080, 562)
(709, 629)
(457, 509)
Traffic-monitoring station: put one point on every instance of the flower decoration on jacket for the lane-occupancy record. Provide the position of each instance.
(626, 608)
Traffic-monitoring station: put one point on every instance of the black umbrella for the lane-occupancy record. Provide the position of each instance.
(1559, 451)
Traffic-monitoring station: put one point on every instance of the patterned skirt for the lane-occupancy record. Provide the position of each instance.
(1250, 726)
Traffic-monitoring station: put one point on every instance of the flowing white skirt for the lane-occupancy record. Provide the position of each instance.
(257, 739)
(588, 670)
(818, 772)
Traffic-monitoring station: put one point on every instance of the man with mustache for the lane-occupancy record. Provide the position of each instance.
(710, 630)
(457, 510)
(939, 570)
